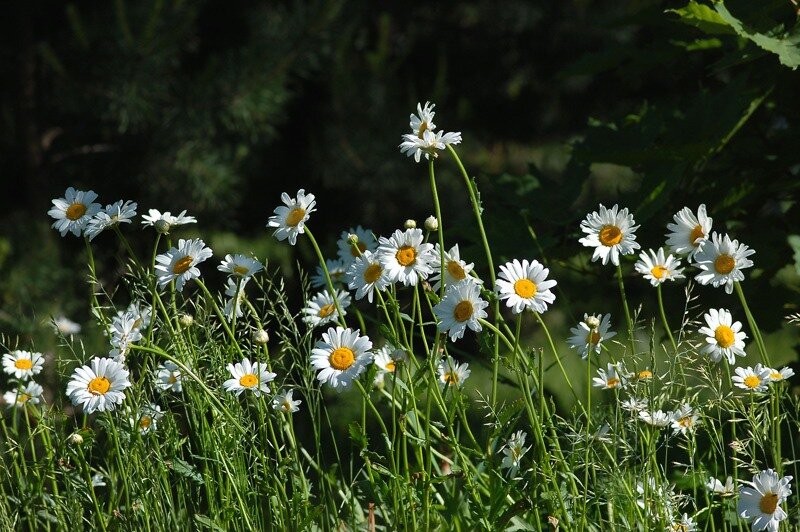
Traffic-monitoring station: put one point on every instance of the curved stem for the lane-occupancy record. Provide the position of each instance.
(328, 279)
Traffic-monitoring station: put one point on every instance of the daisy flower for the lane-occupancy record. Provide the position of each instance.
(336, 269)
(688, 232)
(146, 420)
(760, 502)
(290, 218)
(659, 418)
(524, 285)
(30, 394)
(114, 214)
(611, 233)
(340, 357)
(164, 222)
(140, 312)
(724, 337)
(715, 486)
(427, 143)
(753, 379)
(100, 386)
(365, 275)
(168, 377)
(248, 376)
(632, 404)
(614, 376)
(722, 261)
(284, 402)
(513, 451)
(451, 373)
(23, 364)
(455, 269)
(590, 333)
(386, 358)
(73, 211)
(423, 120)
(240, 266)
(236, 294)
(365, 241)
(780, 375)
(684, 419)
(125, 330)
(180, 264)
(684, 524)
(65, 326)
(657, 269)
(321, 308)
(461, 307)
(405, 257)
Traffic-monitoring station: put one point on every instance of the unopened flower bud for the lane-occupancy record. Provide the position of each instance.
(76, 439)
(410, 224)
(260, 336)
(186, 320)
(352, 238)
(162, 226)
(593, 322)
(431, 224)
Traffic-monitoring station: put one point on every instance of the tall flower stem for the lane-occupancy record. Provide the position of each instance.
(664, 318)
(627, 310)
(751, 321)
(440, 230)
(328, 279)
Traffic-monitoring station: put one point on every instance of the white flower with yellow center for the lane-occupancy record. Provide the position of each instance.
(168, 377)
(240, 266)
(30, 394)
(455, 269)
(634, 405)
(684, 419)
(722, 261)
(66, 326)
(461, 307)
(760, 502)
(349, 252)
(146, 419)
(180, 264)
(340, 357)
(114, 214)
(73, 211)
(613, 377)
(782, 374)
(723, 490)
(405, 257)
(125, 330)
(524, 285)
(365, 275)
(658, 269)
(245, 375)
(684, 524)
(141, 313)
(513, 452)
(423, 120)
(164, 222)
(753, 379)
(427, 144)
(284, 402)
(451, 373)
(23, 364)
(337, 271)
(321, 308)
(590, 333)
(290, 218)
(99, 386)
(724, 337)
(611, 233)
(658, 418)
(234, 289)
(688, 232)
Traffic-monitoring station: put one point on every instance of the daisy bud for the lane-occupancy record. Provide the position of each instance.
(162, 226)
(593, 322)
(352, 238)
(186, 320)
(260, 337)
(431, 224)
(76, 439)
(410, 224)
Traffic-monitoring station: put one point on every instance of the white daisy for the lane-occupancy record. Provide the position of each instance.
(100, 386)
(524, 285)
(451, 373)
(125, 330)
(248, 376)
(240, 266)
(290, 218)
(140, 312)
(347, 251)
(632, 404)
(23, 364)
(428, 143)
(590, 333)
(753, 379)
(657, 269)
(114, 214)
(168, 377)
(461, 307)
(423, 120)
(146, 420)
(65, 326)
(164, 222)
(688, 232)
(30, 394)
(455, 269)
(658, 418)
(284, 402)
(180, 264)
(513, 451)
(683, 524)
(610, 233)
(387, 357)
(613, 377)
(73, 211)
(236, 295)
(321, 308)
(722, 261)
(405, 257)
(336, 269)
(724, 337)
(724, 490)
(782, 374)
(365, 275)
(684, 419)
(340, 357)
(761, 501)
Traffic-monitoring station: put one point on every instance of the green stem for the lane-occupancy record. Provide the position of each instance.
(753, 326)
(627, 311)
(664, 318)
(328, 279)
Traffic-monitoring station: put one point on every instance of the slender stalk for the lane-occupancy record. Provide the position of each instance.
(664, 318)
(328, 280)
(627, 311)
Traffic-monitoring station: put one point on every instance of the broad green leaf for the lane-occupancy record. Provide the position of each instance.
(787, 47)
(704, 18)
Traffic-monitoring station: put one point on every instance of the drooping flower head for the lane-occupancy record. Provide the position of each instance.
(73, 211)
(168, 377)
(290, 218)
(284, 402)
(722, 261)
(451, 373)
(611, 232)
(513, 451)
(119, 212)
(688, 232)
(164, 222)
(613, 377)
(180, 264)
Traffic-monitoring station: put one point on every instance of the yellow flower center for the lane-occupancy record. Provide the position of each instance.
(685, 421)
(295, 216)
(145, 422)
(752, 381)
(422, 128)
(612, 382)
(373, 273)
(23, 363)
(776, 376)
(696, 233)
(23, 398)
(724, 264)
(326, 310)
(406, 255)
(76, 211)
(680, 527)
(249, 380)
(456, 271)
(525, 288)
(451, 377)
(240, 270)
(659, 271)
(594, 337)
(645, 374)
(768, 503)
(342, 358)
(286, 405)
(172, 378)
(610, 235)
(463, 311)
(390, 366)
(724, 336)
(358, 249)
(99, 386)
(182, 265)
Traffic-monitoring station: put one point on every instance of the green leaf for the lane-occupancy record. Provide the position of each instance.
(357, 435)
(185, 469)
(704, 18)
(787, 47)
(794, 242)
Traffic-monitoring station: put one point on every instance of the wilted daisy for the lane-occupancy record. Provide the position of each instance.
(614, 376)
(146, 419)
(461, 307)
(688, 232)
(236, 295)
(340, 357)
(240, 266)
(611, 233)
(284, 402)
(65, 326)
(753, 379)
(684, 419)
(455, 269)
(73, 211)
(99, 386)
(590, 333)
(761, 501)
(658, 418)
(290, 218)
(23, 364)
(165, 221)
(524, 285)
(513, 451)
(30, 394)
(683, 524)
(125, 330)
(451, 373)
(657, 269)
(405, 257)
(364, 241)
(140, 312)
(248, 376)
(722, 261)
(724, 337)
(336, 269)
(724, 490)
(180, 264)
(782, 374)
(168, 377)
(114, 214)
(321, 308)
(365, 275)
(423, 120)
(632, 404)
